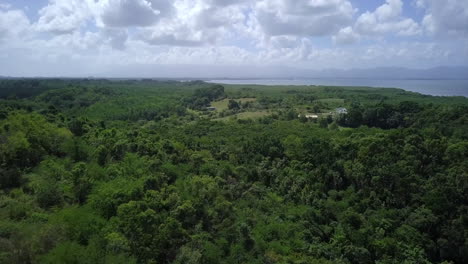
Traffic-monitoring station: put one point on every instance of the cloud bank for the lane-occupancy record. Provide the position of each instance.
(85, 37)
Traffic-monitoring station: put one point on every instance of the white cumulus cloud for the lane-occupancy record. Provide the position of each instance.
(303, 17)
(128, 13)
(13, 24)
(63, 16)
(387, 19)
(346, 36)
(445, 17)
(197, 23)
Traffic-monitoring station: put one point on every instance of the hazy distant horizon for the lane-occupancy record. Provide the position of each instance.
(210, 72)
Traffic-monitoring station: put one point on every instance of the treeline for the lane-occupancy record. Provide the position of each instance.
(202, 97)
(407, 114)
(25, 88)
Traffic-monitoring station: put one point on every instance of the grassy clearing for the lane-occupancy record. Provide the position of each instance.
(220, 105)
(223, 104)
(245, 115)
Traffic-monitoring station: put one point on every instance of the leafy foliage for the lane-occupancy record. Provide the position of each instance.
(96, 171)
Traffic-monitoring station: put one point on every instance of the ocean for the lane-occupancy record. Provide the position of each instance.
(429, 87)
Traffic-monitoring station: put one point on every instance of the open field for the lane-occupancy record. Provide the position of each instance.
(245, 115)
(223, 104)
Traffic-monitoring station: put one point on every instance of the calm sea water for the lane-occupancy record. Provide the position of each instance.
(430, 87)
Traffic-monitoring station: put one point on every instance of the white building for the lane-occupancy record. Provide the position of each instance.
(342, 111)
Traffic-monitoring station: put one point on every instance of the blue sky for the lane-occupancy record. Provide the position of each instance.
(140, 37)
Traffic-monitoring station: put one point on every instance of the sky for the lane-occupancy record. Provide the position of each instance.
(152, 38)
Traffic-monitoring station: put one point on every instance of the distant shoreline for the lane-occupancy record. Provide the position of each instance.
(434, 87)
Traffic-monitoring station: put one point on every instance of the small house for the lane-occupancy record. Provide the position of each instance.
(342, 111)
(211, 108)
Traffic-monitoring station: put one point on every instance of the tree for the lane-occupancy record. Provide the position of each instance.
(27, 138)
(107, 197)
(233, 105)
(78, 126)
(323, 122)
(316, 108)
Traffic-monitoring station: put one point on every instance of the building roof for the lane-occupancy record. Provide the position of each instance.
(309, 116)
(341, 110)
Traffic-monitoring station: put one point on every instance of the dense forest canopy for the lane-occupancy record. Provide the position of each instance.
(143, 171)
